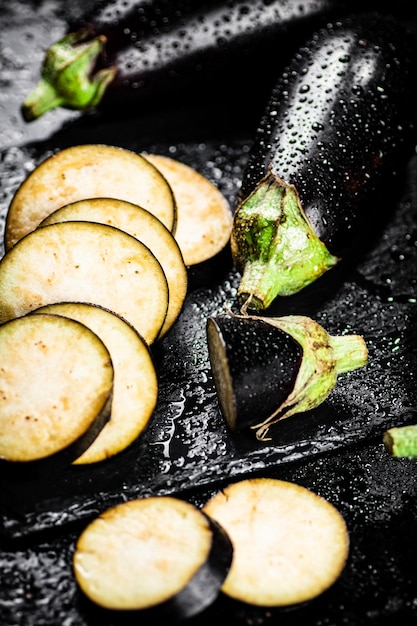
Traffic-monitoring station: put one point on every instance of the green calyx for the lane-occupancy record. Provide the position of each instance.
(274, 246)
(324, 358)
(67, 78)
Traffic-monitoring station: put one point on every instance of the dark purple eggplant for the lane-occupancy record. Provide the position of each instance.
(138, 50)
(267, 369)
(339, 126)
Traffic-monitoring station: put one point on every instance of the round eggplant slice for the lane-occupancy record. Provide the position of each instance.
(88, 171)
(56, 389)
(159, 555)
(135, 389)
(204, 216)
(85, 262)
(141, 224)
(290, 544)
(254, 366)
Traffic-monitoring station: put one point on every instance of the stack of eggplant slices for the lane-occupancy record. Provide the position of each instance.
(99, 240)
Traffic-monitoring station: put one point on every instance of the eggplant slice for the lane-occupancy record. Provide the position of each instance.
(56, 389)
(135, 390)
(290, 544)
(139, 223)
(159, 555)
(88, 171)
(204, 217)
(85, 262)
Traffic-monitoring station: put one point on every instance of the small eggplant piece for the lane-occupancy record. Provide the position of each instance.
(251, 359)
(143, 50)
(267, 369)
(340, 124)
(152, 557)
(401, 441)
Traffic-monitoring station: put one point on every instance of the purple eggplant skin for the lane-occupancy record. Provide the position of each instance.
(152, 49)
(258, 360)
(340, 125)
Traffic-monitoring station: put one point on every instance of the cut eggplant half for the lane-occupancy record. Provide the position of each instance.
(290, 544)
(159, 555)
(143, 225)
(251, 360)
(88, 171)
(56, 389)
(267, 369)
(85, 262)
(135, 389)
(204, 216)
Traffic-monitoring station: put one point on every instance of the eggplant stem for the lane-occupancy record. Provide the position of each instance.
(350, 352)
(67, 79)
(401, 441)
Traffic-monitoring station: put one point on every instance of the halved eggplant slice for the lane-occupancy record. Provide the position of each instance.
(85, 262)
(290, 544)
(56, 388)
(267, 369)
(88, 171)
(135, 390)
(141, 224)
(159, 554)
(204, 216)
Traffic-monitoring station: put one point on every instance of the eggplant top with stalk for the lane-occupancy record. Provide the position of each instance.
(340, 123)
(266, 369)
(136, 50)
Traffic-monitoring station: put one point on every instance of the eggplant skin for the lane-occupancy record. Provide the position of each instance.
(340, 124)
(251, 360)
(161, 43)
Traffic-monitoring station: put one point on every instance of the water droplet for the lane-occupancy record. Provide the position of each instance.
(317, 126)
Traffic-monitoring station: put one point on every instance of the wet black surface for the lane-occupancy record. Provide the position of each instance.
(335, 450)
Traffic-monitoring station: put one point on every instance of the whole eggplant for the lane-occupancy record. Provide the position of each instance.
(340, 124)
(124, 51)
